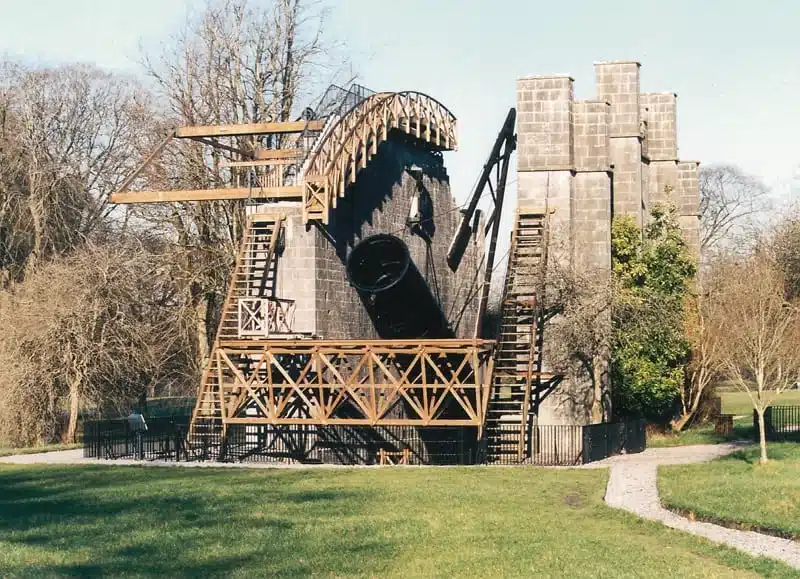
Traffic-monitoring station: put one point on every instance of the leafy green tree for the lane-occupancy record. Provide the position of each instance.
(652, 271)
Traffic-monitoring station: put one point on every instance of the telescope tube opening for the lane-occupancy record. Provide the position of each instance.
(378, 263)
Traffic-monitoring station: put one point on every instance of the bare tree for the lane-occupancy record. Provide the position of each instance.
(94, 328)
(785, 246)
(758, 331)
(68, 136)
(705, 364)
(238, 62)
(728, 199)
(581, 335)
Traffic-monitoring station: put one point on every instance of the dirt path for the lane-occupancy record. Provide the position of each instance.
(632, 486)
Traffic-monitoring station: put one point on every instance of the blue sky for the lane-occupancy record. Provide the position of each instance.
(735, 65)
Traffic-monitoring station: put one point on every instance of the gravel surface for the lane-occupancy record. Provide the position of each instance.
(632, 486)
(76, 457)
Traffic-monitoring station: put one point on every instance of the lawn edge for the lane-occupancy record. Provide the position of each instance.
(39, 450)
(729, 523)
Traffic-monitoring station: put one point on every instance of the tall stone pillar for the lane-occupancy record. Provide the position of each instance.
(662, 147)
(688, 203)
(545, 160)
(563, 165)
(618, 83)
(591, 218)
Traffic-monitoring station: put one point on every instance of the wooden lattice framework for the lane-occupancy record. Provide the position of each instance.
(354, 139)
(353, 382)
(263, 317)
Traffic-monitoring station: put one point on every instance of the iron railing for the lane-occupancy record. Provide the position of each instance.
(563, 445)
(781, 423)
(164, 439)
(545, 445)
(607, 439)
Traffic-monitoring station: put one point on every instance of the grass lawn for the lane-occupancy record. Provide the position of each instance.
(737, 489)
(403, 522)
(739, 403)
(703, 434)
(37, 449)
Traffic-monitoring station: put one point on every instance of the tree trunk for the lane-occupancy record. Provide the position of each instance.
(679, 423)
(74, 406)
(597, 382)
(201, 323)
(762, 435)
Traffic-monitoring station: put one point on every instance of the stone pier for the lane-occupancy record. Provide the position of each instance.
(589, 160)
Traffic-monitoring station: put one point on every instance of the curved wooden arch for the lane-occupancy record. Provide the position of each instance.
(349, 144)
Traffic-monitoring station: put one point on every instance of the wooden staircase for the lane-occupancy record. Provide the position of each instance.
(253, 277)
(517, 368)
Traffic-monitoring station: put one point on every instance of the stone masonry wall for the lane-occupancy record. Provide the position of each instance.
(614, 156)
(312, 269)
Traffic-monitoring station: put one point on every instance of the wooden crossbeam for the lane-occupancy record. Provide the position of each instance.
(259, 163)
(284, 193)
(248, 129)
(278, 154)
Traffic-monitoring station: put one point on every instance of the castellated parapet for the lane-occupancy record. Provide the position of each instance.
(589, 160)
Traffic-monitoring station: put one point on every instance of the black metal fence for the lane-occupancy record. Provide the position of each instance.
(542, 445)
(545, 445)
(607, 439)
(781, 423)
(167, 439)
(164, 439)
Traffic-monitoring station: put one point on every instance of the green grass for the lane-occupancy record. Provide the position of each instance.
(38, 449)
(403, 522)
(703, 434)
(738, 403)
(737, 489)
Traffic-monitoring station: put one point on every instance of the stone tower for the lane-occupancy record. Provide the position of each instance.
(589, 160)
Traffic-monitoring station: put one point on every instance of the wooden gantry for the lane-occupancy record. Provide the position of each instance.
(351, 382)
(318, 159)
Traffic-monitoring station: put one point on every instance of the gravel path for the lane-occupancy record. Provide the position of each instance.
(632, 486)
(76, 457)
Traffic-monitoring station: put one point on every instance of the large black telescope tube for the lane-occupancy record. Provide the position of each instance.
(397, 297)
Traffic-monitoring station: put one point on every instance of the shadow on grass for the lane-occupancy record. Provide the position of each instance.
(177, 522)
(776, 452)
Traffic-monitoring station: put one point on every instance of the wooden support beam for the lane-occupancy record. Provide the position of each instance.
(259, 163)
(278, 154)
(217, 145)
(147, 161)
(285, 193)
(248, 129)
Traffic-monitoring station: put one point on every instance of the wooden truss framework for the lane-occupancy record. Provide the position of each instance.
(354, 139)
(354, 382)
(272, 164)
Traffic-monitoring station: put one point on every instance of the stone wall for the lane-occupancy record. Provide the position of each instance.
(589, 160)
(312, 271)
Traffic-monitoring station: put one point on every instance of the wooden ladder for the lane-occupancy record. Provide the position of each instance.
(517, 365)
(253, 277)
